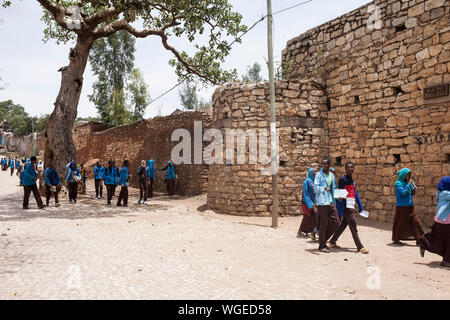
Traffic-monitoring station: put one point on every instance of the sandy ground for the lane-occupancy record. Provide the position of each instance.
(178, 249)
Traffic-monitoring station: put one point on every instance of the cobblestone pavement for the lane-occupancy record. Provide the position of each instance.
(178, 249)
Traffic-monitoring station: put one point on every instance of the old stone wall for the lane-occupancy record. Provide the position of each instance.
(242, 189)
(375, 81)
(144, 140)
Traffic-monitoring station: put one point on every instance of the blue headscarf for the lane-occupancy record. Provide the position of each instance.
(150, 170)
(444, 184)
(401, 177)
(310, 175)
(443, 196)
(77, 172)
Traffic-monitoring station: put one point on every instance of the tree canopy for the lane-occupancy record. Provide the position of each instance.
(19, 121)
(67, 19)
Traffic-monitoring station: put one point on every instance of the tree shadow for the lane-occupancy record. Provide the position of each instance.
(85, 208)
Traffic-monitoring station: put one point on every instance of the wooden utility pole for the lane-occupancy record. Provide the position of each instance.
(273, 120)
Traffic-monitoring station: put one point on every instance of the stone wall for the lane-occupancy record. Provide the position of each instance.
(143, 140)
(242, 189)
(375, 79)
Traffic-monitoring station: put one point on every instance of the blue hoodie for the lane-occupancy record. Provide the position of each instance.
(171, 172)
(150, 170)
(123, 179)
(320, 183)
(443, 198)
(28, 175)
(110, 176)
(309, 198)
(99, 172)
(51, 177)
(403, 189)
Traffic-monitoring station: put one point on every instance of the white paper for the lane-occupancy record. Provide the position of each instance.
(364, 214)
(351, 202)
(340, 193)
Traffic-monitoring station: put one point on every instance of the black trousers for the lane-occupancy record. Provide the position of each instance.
(98, 187)
(143, 189)
(123, 196)
(171, 186)
(48, 194)
(348, 220)
(73, 190)
(26, 195)
(110, 191)
(150, 188)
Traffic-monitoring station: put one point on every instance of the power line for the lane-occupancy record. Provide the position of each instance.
(234, 41)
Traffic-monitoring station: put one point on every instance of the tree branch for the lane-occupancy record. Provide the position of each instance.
(57, 10)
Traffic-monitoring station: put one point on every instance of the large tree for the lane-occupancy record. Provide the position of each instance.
(90, 20)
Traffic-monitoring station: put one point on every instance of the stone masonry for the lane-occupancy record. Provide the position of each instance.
(375, 64)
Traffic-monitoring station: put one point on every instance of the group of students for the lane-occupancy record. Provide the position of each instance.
(327, 217)
(111, 176)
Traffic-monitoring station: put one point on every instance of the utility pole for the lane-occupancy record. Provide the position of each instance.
(273, 120)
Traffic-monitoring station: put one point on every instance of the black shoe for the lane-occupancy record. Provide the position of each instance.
(445, 264)
(41, 207)
(25, 208)
(422, 252)
(119, 205)
(125, 205)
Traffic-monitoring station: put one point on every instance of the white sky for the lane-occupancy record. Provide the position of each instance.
(29, 65)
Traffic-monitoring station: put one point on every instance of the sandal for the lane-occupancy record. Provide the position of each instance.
(312, 236)
(333, 245)
(325, 250)
(364, 251)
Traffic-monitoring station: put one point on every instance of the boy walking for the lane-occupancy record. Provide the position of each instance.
(324, 186)
(346, 208)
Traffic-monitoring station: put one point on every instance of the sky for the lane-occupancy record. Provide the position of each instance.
(28, 66)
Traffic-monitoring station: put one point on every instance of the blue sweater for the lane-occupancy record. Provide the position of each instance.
(99, 172)
(51, 177)
(28, 175)
(403, 195)
(123, 179)
(110, 176)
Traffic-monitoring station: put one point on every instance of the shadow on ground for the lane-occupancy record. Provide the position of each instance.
(86, 208)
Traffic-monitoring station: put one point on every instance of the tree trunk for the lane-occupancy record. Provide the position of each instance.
(59, 146)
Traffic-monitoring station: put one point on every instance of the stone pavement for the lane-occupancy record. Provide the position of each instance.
(178, 249)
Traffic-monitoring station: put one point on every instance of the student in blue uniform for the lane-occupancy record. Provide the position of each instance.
(170, 177)
(151, 177)
(29, 177)
(142, 181)
(72, 177)
(110, 180)
(99, 176)
(123, 180)
(52, 181)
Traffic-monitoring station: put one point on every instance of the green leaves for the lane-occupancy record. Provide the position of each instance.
(210, 22)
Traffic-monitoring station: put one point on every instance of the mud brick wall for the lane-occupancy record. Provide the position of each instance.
(242, 189)
(375, 79)
(144, 140)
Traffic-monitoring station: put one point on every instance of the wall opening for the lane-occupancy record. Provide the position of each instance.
(283, 163)
(328, 104)
(339, 161)
(400, 28)
(397, 158)
(308, 113)
(447, 158)
(397, 91)
(357, 101)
